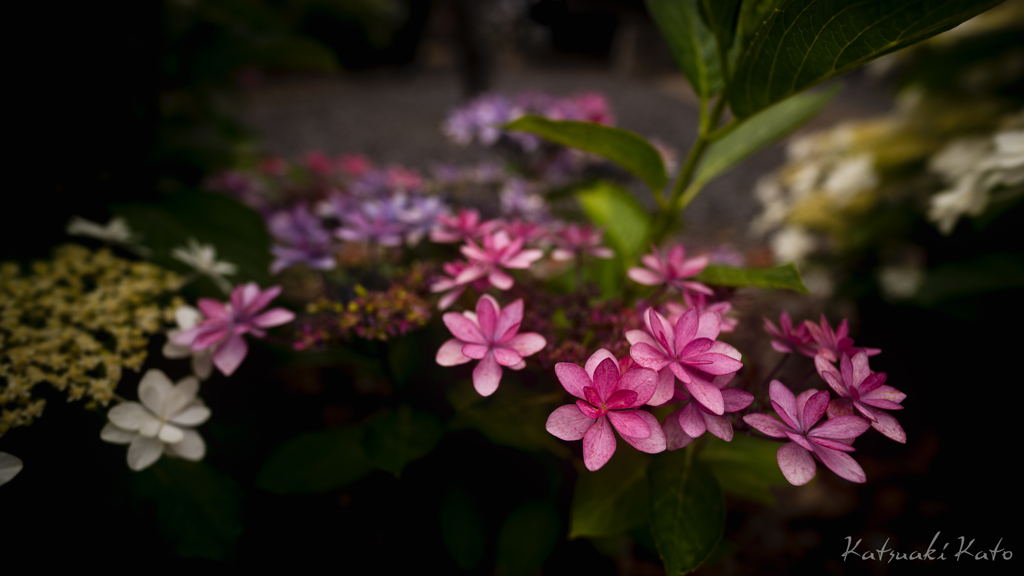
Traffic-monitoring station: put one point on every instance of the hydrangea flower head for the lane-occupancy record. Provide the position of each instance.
(826, 442)
(576, 239)
(161, 424)
(787, 339)
(864, 391)
(671, 271)
(490, 335)
(833, 344)
(465, 225)
(498, 252)
(226, 323)
(306, 240)
(606, 399)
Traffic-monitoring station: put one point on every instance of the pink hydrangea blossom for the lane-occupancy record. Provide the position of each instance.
(827, 442)
(864, 391)
(226, 323)
(606, 400)
(693, 419)
(687, 350)
(355, 165)
(499, 251)
(671, 271)
(490, 335)
(833, 344)
(466, 225)
(699, 300)
(786, 339)
(576, 239)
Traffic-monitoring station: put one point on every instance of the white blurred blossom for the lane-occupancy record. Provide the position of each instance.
(850, 177)
(792, 244)
(10, 465)
(899, 282)
(203, 259)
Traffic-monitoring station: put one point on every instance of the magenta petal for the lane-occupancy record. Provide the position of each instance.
(685, 329)
(500, 280)
(707, 394)
(643, 381)
(833, 444)
(274, 317)
(674, 435)
(719, 426)
(590, 395)
(666, 388)
(524, 259)
(527, 343)
(572, 378)
(799, 439)
(796, 464)
(841, 428)
(767, 425)
(888, 426)
(644, 276)
(681, 372)
(622, 400)
(695, 347)
(840, 407)
(814, 409)
(569, 423)
(709, 324)
(656, 442)
(691, 420)
(229, 355)
(717, 364)
(736, 400)
(212, 309)
(598, 444)
(487, 375)
(463, 328)
(630, 423)
(636, 336)
(262, 299)
(204, 340)
(475, 351)
(588, 410)
(781, 347)
(648, 356)
(884, 392)
(506, 356)
(186, 337)
(450, 353)
(596, 358)
(486, 316)
(511, 317)
(606, 378)
(841, 463)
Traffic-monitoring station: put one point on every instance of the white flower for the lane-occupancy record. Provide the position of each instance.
(202, 360)
(115, 232)
(161, 423)
(203, 258)
(899, 282)
(851, 176)
(10, 465)
(792, 244)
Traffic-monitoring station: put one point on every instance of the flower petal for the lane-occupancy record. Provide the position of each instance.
(463, 328)
(211, 309)
(648, 356)
(598, 444)
(500, 280)
(527, 343)
(606, 378)
(596, 358)
(193, 415)
(506, 356)
(573, 378)
(487, 375)
(622, 400)
(841, 463)
(643, 381)
(630, 423)
(691, 420)
(450, 353)
(129, 416)
(202, 363)
(674, 435)
(143, 452)
(736, 400)
(796, 464)
(475, 351)
(767, 425)
(841, 428)
(116, 435)
(230, 354)
(814, 409)
(718, 425)
(644, 276)
(273, 317)
(784, 404)
(656, 442)
(487, 316)
(170, 434)
(707, 394)
(508, 322)
(154, 388)
(569, 423)
(191, 447)
(709, 325)
(685, 330)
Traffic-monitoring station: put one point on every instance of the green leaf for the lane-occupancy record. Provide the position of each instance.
(721, 17)
(527, 538)
(692, 44)
(197, 507)
(760, 130)
(785, 276)
(805, 42)
(687, 510)
(462, 529)
(626, 223)
(316, 462)
(622, 147)
(613, 499)
(745, 467)
(236, 231)
(400, 436)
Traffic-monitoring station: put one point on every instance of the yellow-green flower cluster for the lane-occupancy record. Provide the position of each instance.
(76, 321)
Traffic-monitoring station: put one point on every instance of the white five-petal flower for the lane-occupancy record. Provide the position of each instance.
(10, 465)
(162, 423)
(202, 360)
(203, 258)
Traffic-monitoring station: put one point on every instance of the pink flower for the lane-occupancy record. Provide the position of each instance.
(529, 231)
(862, 390)
(226, 323)
(606, 400)
(827, 442)
(499, 251)
(671, 271)
(491, 336)
(831, 344)
(574, 239)
(466, 225)
(688, 351)
(693, 419)
(785, 339)
(699, 300)
(354, 165)
(318, 162)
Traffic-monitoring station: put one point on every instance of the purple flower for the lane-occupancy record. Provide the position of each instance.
(374, 221)
(575, 239)
(491, 336)
(498, 252)
(519, 201)
(785, 339)
(308, 242)
(671, 271)
(481, 119)
(832, 345)
(422, 215)
(688, 351)
(864, 391)
(606, 400)
(226, 323)
(827, 442)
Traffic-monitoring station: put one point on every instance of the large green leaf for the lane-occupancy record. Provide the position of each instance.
(692, 43)
(745, 467)
(237, 232)
(622, 147)
(316, 462)
(721, 18)
(613, 499)
(400, 436)
(785, 276)
(197, 507)
(625, 221)
(462, 529)
(760, 130)
(687, 510)
(527, 538)
(805, 42)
